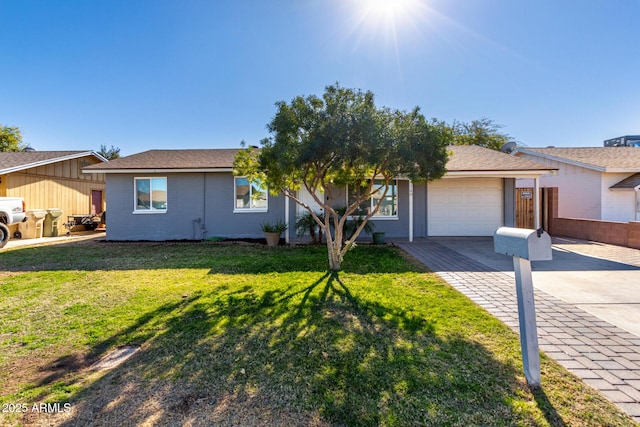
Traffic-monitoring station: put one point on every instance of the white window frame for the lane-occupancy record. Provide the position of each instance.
(377, 216)
(151, 210)
(249, 209)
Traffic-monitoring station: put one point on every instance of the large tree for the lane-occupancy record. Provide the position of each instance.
(483, 132)
(10, 139)
(343, 140)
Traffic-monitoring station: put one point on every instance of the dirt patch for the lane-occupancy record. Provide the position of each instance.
(123, 400)
(31, 370)
(5, 274)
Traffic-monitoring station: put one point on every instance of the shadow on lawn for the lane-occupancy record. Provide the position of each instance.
(309, 354)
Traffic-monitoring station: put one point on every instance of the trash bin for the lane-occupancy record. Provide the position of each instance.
(51, 222)
(32, 227)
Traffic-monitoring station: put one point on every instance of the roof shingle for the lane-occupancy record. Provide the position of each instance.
(600, 157)
(631, 182)
(18, 160)
(173, 159)
(461, 159)
(468, 158)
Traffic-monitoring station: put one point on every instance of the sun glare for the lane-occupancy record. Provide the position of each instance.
(389, 9)
(386, 18)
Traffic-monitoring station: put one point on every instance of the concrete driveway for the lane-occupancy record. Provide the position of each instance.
(603, 280)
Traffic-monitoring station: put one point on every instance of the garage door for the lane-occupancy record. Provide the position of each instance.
(464, 206)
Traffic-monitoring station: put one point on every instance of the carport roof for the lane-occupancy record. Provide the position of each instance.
(21, 160)
(463, 160)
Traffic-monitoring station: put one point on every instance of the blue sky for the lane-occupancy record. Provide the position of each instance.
(206, 74)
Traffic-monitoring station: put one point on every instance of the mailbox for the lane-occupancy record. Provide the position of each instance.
(534, 245)
(525, 245)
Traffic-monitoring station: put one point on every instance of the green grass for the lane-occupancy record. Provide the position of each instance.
(250, 335)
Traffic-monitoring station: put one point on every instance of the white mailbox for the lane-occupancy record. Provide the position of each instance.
(525, 245)
(534, 245)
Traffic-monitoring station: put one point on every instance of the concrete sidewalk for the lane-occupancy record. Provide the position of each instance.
(604, 355)
(43, 241)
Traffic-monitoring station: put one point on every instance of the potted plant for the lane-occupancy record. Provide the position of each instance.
(273, 231)
(378, 238)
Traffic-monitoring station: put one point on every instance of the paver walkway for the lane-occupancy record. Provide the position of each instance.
(603, 355)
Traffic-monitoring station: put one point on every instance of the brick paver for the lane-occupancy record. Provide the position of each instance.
(603, 355)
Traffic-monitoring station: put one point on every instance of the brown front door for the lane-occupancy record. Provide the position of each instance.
(524, 207)
(96, 202)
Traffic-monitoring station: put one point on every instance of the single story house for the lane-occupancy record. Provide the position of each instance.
(54, 179)
(193, 195)
(599, 183)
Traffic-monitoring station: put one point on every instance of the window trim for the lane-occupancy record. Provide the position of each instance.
(151, 210)
(378, 217)
(249, 209)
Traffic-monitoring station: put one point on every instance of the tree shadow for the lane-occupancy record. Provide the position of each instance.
(314, 353)
(136, 334)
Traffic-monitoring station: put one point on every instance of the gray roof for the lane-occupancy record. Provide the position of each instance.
(462, 159)
(604, 159)
(185, 160)
(21, 160)
(629, 183)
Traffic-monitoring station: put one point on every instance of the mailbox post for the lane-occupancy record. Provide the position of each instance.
(525, 245)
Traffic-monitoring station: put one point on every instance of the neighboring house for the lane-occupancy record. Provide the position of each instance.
(192, 194)
(53, 179)
(599, 183)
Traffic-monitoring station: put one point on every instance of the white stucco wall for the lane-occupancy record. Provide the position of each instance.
(617, 205)
(579, 189)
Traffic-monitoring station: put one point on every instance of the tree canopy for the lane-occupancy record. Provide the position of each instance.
(483, 132)
(342, 139)
(109, 153)
(11, 139)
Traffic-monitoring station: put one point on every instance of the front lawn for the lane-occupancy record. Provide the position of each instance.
(247, 335)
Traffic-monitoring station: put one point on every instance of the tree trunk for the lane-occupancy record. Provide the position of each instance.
(335, 257)
(334, 249)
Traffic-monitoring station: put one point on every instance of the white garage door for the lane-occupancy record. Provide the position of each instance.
(464, 206)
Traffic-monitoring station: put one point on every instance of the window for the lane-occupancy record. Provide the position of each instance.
(389, 205)
(249, 196)
(151, 195)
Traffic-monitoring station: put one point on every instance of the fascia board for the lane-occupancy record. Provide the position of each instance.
(622, 170)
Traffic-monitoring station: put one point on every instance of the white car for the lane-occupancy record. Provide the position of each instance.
(12, 211)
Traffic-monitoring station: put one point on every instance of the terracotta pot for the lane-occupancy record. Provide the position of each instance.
(273, 239)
